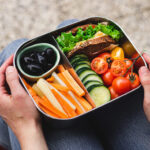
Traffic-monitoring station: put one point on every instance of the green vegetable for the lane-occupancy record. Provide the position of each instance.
(99, 94)
(67, 41)
(93, 77)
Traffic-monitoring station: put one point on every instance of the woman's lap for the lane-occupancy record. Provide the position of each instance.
(126, 126)
(4, 136)
(123, 127)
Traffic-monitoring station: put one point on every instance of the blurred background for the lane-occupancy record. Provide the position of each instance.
(31, 18)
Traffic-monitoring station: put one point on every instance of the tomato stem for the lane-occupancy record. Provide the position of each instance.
(134, 60)
(109, 61)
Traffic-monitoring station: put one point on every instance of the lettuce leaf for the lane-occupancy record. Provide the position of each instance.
(67, 41)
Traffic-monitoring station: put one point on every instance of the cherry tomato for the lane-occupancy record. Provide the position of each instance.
(128, 63)
(134, 79)
(108, 78)
(121, 85)
(117, 53)
(128, 49)
(118, 68)
(105, 55)
(99, 65)
(113, 92)
(139, 62)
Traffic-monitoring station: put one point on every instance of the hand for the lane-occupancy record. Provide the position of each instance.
(144, 75)
(18, 110)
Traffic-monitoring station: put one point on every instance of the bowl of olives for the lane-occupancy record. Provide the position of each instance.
(38, 61)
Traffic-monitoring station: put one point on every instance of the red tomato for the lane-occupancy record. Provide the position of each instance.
(139, 62)
(128, 63)
(107, 78)
(113, 92)
(118, 68)
(134, 79)
(99, 65)
(105, 55)
(121, 85)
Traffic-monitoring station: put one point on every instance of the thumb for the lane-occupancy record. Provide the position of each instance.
(144, 75)
(13, 81)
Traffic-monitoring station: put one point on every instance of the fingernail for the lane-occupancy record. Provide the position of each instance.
(10, 69)
(144, 70)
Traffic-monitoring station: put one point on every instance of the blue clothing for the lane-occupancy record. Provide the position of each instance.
(121, 126)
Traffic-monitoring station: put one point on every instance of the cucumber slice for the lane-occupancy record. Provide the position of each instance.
(83, 73)
(85, 69)
(80, 62)
(81, 66)
(99, 94)
(91, 83)
(80, 56)
(77, 59)
(93, 77)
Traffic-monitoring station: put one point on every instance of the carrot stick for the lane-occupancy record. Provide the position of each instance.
(30, 89)
(75, 86)
(79, 110)
(64, 80)
(25, 83)
(60, 79)
(44, 86)
(60, 68)
(51, 87)
(36, 99)
(84, 103)
(46, 103)
(32, 92)
(54, 109)
(60, 87)
(40, 102)
(87, 96)
(51, 79)
(71, 112)
(47, 111)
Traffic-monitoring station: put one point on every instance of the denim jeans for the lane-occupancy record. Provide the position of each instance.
(123, 127)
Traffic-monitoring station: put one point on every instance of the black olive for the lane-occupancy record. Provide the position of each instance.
(41, 59)
(43, 53)
(33, 55)
(28, 60)
(49, 51)
(34, 69)
(36, 63)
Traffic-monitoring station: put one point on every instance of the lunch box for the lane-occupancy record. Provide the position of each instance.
(50, 38)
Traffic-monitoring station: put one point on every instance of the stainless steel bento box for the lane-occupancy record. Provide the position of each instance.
(50, 38)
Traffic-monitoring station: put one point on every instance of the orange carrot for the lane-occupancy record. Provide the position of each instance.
(36, 99)
(75, 86)
(47, 111)
(71, 112)
(87, 96)
(84, 103)
(31, 91)
(46, 103)
(52, 108)
(25, 83)
(79, 110)
(51, 79)
(60, 68)
(39, 102)
(64, 80)
(60, 87)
